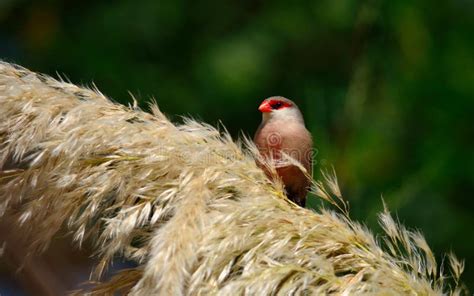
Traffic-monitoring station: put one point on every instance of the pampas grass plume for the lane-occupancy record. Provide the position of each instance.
(186, 203)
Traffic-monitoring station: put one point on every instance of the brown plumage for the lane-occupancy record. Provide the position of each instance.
(283, 130)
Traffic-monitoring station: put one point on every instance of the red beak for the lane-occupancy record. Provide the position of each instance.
(265, 107)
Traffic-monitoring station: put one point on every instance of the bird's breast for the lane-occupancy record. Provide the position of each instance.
(276, 138)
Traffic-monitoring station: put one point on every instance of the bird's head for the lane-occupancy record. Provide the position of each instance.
(280, 108)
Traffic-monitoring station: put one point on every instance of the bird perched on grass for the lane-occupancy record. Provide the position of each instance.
(283, 131)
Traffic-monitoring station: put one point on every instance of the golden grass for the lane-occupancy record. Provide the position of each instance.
(186, 203)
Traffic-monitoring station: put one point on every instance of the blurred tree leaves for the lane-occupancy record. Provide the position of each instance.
(387, 87)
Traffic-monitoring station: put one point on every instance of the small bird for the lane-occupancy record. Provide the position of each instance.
(283, 130)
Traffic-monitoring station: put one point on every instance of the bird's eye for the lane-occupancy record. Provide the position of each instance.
(277, 105)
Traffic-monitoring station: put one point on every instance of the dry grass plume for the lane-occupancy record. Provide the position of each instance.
(186, 203)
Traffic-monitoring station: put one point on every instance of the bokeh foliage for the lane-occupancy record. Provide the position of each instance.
(387, 87)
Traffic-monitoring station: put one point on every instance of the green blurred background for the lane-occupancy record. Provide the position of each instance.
(386, 87)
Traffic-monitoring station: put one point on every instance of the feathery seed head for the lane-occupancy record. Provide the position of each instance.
(186, 203)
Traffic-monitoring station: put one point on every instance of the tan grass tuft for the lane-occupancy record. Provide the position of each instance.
(184, 202)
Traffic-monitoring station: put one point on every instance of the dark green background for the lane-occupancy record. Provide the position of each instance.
(386, 87)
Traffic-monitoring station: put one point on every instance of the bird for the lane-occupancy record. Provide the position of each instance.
(283, 130)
